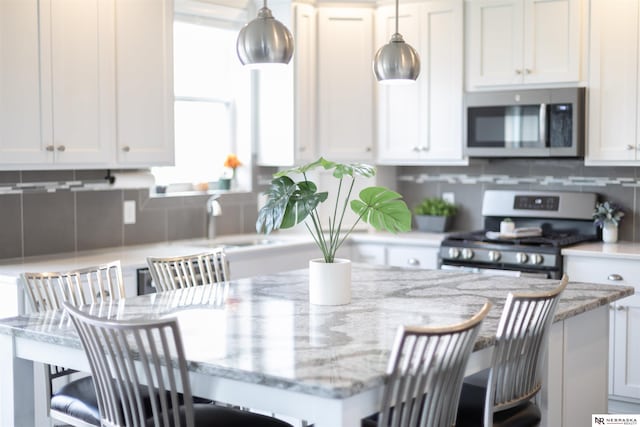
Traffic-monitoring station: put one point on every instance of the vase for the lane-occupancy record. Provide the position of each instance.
(329, 283)
(609, 232)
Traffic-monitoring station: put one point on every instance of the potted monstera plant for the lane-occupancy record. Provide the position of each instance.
(294, 198)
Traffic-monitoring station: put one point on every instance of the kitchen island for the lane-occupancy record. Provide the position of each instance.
(258, 343)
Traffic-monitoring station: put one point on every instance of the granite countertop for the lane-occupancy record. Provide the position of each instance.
(620, 250)
(273, 336)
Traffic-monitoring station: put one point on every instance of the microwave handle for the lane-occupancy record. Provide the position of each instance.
(543, 126)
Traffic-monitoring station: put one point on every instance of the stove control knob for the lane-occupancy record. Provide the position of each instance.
(494, 256)
(521, 257)
(467, 253)
(454, 253)
(535, 259)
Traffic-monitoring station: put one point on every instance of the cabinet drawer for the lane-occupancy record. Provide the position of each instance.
(607, 270)
(412, 256)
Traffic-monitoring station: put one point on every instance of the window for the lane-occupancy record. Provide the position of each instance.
(211, 103)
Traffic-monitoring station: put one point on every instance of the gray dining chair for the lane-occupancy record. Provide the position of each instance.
(502, 395)
(425, 373)
(131, 360)
(179, 272)
(74, 402)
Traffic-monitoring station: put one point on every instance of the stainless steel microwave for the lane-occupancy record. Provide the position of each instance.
(525, 123)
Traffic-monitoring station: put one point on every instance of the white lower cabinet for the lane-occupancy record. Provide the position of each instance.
(413, 256)
(624, 341)
(369, 253)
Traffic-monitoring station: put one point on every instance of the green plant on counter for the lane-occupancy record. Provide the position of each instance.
(435, 206)
(291, 202)
(607, 212)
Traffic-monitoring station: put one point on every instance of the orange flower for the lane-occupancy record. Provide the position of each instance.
(232, 161)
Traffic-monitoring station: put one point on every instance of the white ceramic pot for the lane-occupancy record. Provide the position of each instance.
(329, 283)
(609, 232)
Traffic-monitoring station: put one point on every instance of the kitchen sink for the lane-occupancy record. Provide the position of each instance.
(241, 243)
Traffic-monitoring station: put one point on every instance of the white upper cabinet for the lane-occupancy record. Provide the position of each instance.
(345, 83)
(287, 100)
(613, 84)
(144, 73)
(421, 123)
(21, 121)
(522, 42)
(56, 84)
(61, 61)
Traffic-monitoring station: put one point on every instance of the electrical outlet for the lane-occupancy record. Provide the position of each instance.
(449, 197)
(129, 212)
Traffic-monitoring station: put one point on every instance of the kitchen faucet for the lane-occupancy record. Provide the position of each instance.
(214, 209)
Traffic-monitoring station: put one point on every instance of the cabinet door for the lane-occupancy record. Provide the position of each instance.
(422, 123)
(370, 253)
(552, 33)
(345, 83)
(495, 42)
(613, 85)
(412, 256)
(82, 81)
(626, 376)
(400, 106)
(144, 71)
(22, 132)
(441, 90)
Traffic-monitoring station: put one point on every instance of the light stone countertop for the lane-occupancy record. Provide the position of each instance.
(273, 336)
(620, 250)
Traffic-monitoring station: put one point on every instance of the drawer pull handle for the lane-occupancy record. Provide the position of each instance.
(621, 308)
(413, 262)
(614, 277)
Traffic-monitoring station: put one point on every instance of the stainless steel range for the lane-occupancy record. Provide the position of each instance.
(542, 223)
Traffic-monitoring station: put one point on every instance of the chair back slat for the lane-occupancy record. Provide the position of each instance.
(127, 358)
(189, 270)
(425, 373)
(47, 291)
(521, 341)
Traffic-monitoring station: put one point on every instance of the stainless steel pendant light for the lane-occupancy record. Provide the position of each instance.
(396, 62)
(265, 40)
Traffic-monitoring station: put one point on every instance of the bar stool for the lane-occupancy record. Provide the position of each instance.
(502, 395)
(425, 374)
(75, 402)
(179, 272)
(128, 358)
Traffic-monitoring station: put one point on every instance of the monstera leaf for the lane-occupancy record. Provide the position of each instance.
(288, 204)
(383, 209)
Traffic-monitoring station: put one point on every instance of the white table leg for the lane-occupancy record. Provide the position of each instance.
(16, 386)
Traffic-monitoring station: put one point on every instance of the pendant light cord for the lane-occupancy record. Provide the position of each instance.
(397, 8)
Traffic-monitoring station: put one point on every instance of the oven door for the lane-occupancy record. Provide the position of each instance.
(501, 272)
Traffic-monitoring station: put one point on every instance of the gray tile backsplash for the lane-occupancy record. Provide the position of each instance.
(618, 184)
(38, 223)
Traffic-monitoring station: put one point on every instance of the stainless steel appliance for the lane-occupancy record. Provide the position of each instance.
(544, 223)
(525, 123)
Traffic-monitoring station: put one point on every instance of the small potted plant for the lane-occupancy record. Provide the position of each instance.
(607, 216)
(434, 214)
(293, 198)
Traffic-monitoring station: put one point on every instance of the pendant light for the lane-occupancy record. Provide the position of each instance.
(265, 40)
(396, 62)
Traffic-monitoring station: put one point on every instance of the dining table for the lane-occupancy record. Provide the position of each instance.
(258, 343)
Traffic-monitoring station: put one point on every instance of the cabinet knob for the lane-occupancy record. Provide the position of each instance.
(61, 148)
(629, 147)
(423, 148)
(621, 308)
(368, 149)
(518, 72)
(126, 148)
(416, 149)
(413, 262)
(615, 277)
(527, 71)
(50, 148)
